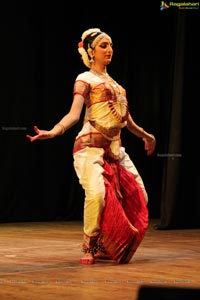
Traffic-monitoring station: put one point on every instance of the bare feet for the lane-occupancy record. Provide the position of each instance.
(87, 259)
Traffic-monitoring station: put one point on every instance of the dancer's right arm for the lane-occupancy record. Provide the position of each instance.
(70, 119)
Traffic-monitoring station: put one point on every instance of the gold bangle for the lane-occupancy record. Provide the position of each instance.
(61, 126)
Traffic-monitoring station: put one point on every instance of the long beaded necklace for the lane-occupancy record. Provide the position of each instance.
(119, 111)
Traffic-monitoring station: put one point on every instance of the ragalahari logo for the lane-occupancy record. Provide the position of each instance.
(164, 5)
(179, 5)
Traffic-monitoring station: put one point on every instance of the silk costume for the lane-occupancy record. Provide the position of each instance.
(115, 206)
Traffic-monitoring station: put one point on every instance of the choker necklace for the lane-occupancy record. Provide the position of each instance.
(103, 75)
(106, 77)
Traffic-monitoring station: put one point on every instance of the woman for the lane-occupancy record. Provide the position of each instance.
(115, 207)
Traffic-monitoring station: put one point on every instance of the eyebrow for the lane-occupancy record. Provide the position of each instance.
(105, 43)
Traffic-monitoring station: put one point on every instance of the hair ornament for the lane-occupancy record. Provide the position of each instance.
(80, 44)
(90, 32)
(89, 40)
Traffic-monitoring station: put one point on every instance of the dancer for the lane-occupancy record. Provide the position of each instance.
(115, 216)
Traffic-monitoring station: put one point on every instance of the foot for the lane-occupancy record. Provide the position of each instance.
(87, 259)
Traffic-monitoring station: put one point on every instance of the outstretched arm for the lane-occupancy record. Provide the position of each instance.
(148, 139)
(64, 124)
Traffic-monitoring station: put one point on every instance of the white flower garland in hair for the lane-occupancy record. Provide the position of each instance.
(84, 56)
(81, 50)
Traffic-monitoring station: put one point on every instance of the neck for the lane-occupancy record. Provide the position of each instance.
(100, 70)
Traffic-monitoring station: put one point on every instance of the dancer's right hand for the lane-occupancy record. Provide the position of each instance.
(41, 135)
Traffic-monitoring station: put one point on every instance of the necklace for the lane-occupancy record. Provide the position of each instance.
(103, 75)
(118, 108)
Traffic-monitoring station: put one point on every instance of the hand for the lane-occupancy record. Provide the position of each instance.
(41, 135)
(149, 144)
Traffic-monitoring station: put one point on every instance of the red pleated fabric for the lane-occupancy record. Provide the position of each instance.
(125, 217)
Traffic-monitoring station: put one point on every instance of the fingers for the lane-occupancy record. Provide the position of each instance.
(149, 147)
(150, 151)
(36, 129)
(40, 135)
(33, 138)
(28, 137)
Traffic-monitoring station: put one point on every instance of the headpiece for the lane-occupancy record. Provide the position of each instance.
(89, 40)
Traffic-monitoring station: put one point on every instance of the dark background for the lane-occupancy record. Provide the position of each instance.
(156, 58)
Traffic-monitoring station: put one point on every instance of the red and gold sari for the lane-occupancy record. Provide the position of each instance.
(115, 207)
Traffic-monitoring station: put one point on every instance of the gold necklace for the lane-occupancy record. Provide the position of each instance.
(121, 112)
(103, 75)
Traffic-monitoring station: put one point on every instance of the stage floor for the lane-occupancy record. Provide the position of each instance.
(40, 261)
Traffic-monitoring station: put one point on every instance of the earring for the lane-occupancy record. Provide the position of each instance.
(90, 54)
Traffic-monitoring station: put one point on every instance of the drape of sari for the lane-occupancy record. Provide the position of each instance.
(124, 220)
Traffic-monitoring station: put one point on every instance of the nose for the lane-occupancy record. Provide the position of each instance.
(110, 49)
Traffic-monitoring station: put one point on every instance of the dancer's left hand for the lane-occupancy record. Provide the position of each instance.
(149, 144)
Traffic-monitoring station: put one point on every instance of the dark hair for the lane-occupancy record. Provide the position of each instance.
(89, 39)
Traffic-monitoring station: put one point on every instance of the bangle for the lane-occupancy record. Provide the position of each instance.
(61, 126)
